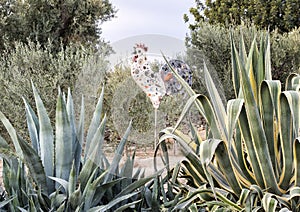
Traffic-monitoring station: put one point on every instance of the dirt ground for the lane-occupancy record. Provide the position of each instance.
(144, 158)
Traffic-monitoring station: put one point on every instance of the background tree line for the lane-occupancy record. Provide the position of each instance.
(212, 23)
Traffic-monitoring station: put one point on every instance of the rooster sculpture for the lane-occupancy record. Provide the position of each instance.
(148, 80)
(158, 84)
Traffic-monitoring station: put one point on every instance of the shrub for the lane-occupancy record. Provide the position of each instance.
(32, 62)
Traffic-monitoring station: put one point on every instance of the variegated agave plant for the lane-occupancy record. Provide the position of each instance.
(251, 158)
(62, 175)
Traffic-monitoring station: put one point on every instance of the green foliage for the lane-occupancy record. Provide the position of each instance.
(250, 159)
(68, 171)
(281, 15)
(48, 70)
(211, 43)
(61, 22)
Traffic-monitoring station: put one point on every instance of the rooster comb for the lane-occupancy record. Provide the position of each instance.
(141, 45)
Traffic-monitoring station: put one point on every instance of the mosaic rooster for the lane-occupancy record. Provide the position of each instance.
(148, 80)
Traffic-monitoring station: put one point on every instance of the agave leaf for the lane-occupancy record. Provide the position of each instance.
(242, 49)
(289, 84)
(217, 104)
(210, 115)
(118, 155)
(126, 172)
(296, 154)
(102, 189)
(227, 168)
(86, 194)
(63, 145)
(269, 98)
(88, 168)
(267, 59)
(128, 205)
(94, 123)
(229, 204)
(289, 126)
(196, 137)
(12, 132)
(80, 138)
(112, 203)
(137, 184)
(234, 108)
(235, 69)
(34, 164)
(246, 135)
(186, 108)
(244, 196)
(33, 126)
(46, 138)
(62, 182)
(7, 201)
(260, 73)
(97, 143)
(75, 198)
(72, 180)
(250, 69)
(71, 118)
(258, 136)
(269, 203)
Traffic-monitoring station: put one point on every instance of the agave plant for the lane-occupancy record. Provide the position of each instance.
(250, 159)
(62, 175)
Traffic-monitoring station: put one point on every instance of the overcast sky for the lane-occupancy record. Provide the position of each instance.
(138, 17)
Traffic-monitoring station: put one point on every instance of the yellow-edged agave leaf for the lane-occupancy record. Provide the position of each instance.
(185, 202)
(244, 196)
(296, 154)
(186, 109)
(267, 59)
(242, 160)
(80, 137)
(246, 135)
(242, 50)
(249, 68)
(258, 136)
(260, 66)
(207, 151)
(210, 116)
(269, 98)
(217, 104)
(269, 203)
(184, 142)
(234, 107)
(235, 73)
(294, 192)
(289, 126)
(227, 168)
(289, 84)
